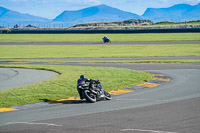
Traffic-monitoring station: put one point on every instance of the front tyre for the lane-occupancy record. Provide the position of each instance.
(107, 95)
(90, 97)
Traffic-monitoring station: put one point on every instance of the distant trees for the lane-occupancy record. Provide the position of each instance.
(31, 26)
(16, 26)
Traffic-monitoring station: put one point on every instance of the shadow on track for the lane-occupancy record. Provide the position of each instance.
(64, 101)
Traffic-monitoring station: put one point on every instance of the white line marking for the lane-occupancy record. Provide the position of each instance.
(31, 123)
(149, 131)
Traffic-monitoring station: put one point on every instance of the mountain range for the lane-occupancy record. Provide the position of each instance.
(9, 17)
(102, 13)
(176, 13)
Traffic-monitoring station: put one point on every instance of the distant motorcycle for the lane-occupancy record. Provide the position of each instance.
(106, 39)
(93, 91)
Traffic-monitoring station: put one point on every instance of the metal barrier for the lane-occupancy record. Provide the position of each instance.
(52, 31)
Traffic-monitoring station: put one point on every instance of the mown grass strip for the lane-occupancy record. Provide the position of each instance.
(51, 62)
(98, 37)
(64, 86)
(95, 51)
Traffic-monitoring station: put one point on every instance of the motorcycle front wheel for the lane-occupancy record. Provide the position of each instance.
(89, 96)
(107, 95)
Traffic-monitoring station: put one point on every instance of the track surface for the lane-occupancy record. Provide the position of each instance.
(112, 59)
(171, 108)
(15, 77)
(100, 43)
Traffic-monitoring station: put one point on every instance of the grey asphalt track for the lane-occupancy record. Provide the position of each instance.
(174, 117)
(143, 66)
(100, 43)
(16, 77)
(110, 58)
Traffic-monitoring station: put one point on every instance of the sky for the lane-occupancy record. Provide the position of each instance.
(52, 8)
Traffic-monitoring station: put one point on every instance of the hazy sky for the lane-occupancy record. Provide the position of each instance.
(52, 8)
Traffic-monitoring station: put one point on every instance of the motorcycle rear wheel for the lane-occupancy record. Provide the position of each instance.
(89, 96)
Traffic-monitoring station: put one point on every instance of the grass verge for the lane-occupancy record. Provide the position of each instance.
(98, 37)
(131, 61)
(64, 86)
(94, 51)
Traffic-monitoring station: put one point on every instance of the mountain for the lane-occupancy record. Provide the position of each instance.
(9, 17)
(101, 13)
(176, 13)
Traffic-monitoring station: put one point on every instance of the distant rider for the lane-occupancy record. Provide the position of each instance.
(106, 39)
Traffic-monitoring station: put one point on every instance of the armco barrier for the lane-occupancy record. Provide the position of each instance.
(102, 31)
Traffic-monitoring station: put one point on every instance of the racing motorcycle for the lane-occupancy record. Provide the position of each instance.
(93, 91)
(106, 39)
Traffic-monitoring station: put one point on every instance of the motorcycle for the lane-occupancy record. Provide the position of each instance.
(93, 91)
(106, 40)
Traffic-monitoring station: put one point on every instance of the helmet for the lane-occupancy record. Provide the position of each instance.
(82, 77)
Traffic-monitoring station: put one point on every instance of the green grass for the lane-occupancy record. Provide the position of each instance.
(98, 37)
(93, 51)
(64, 86)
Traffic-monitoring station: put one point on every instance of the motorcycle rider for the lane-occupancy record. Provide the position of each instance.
(82, 79)
(94, 86)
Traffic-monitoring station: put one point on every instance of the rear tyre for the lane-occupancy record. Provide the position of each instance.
(107, 95)
(90, 97)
